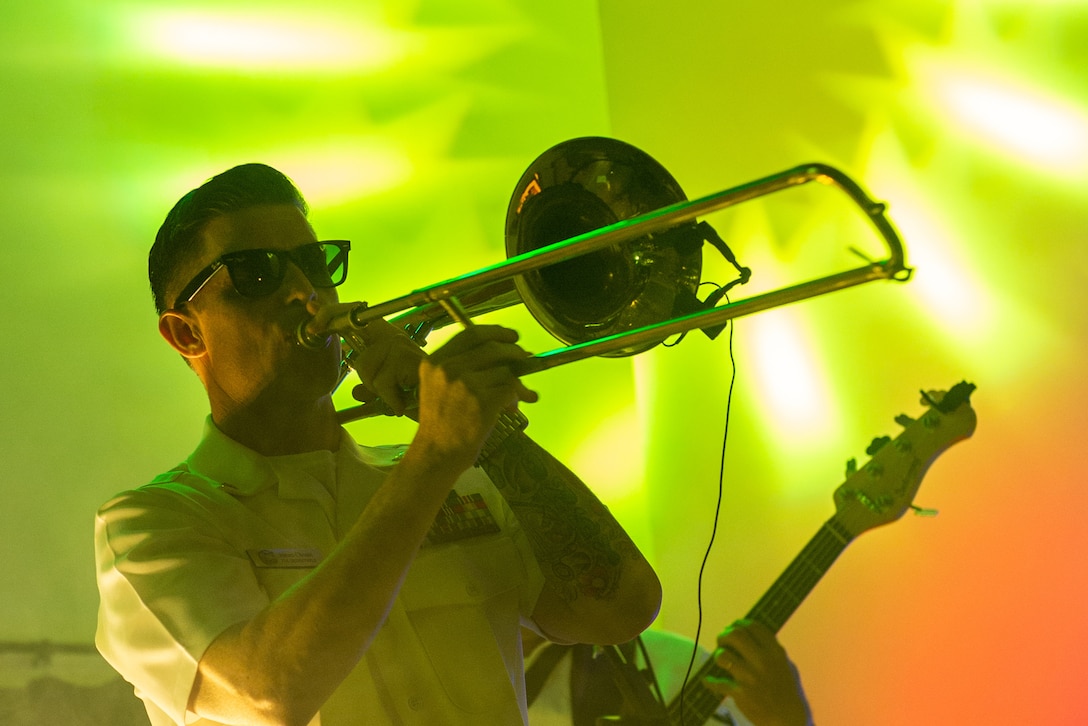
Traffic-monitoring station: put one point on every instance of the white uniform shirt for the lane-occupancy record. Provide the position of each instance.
(213, 541)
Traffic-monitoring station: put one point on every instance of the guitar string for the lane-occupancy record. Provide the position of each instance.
(822, 547)
(773, 610)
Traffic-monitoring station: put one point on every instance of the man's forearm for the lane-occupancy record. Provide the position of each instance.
(283, 664)
(590, 564)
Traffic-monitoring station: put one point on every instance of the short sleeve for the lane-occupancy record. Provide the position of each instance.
(170, 582)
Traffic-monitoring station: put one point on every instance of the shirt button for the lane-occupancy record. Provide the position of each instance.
(415, 702)
(472, 590)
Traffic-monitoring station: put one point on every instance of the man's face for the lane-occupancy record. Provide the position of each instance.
(249, 353)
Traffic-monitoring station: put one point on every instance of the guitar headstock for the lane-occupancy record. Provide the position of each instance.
(882, 490)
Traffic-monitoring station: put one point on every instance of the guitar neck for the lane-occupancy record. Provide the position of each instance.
(878, 493)
(697, 703)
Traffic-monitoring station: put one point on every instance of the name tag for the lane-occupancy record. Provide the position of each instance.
(285, 558)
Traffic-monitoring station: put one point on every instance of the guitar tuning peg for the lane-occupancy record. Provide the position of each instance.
(877, 444)
(923, 512)
(851, 467)
(904, 420)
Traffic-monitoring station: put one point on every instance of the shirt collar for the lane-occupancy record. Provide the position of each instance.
(245, 472)
(236, 467)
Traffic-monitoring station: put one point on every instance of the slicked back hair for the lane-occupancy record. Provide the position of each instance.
(245, 186)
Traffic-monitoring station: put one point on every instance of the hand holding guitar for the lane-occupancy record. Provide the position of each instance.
(756, 671)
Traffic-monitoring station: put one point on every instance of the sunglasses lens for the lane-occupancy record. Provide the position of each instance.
(254, 272)
(336, 261)
(313, 262)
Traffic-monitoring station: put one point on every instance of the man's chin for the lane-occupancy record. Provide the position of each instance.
(315, 371)
(304, 392)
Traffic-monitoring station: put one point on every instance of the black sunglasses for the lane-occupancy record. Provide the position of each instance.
(260, 272)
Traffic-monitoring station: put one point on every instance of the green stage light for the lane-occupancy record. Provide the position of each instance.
(304, 42)
(1026, 121)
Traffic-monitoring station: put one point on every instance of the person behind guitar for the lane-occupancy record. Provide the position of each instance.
(573, 685)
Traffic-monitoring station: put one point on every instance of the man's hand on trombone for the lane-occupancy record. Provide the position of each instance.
(455, 393)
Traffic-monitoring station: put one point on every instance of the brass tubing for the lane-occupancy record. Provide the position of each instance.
(622, 231)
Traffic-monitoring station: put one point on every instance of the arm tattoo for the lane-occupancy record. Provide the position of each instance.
(580, 547)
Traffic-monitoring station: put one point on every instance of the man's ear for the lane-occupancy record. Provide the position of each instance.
(182, 333)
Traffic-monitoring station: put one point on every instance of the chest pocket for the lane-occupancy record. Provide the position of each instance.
(462, 600)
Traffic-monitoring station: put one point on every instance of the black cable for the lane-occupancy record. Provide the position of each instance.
(714, 530)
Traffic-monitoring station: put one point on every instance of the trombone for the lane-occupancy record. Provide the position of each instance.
(600, 204)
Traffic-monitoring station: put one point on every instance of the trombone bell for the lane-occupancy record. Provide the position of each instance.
(582, 185)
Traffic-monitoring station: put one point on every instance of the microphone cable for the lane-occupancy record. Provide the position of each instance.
(717, 515)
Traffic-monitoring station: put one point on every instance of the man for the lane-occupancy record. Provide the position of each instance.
(574, 685)
(285, 575)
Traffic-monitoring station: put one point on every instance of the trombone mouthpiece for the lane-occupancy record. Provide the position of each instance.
(308, 338)
(343, 323)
